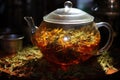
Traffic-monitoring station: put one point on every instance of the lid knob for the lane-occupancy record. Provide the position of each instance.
(67, 5)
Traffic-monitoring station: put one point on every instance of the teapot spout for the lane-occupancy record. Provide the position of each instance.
(31, 24)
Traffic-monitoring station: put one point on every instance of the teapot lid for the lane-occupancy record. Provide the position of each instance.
(68, 15)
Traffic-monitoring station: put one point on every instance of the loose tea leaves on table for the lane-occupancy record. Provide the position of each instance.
(18, 64)
(30, 63)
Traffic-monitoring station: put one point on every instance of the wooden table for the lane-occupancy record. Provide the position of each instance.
(29, 64)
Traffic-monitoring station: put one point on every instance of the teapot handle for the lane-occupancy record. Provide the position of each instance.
(110, 37)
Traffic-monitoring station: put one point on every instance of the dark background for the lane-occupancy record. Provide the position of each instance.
(12, 14)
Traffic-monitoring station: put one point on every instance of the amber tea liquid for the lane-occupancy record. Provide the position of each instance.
(67, 46)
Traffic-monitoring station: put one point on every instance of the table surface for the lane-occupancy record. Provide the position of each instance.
(30, 64)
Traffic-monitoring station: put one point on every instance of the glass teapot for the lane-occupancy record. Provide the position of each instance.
(68, 35)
